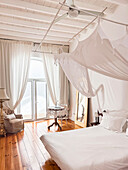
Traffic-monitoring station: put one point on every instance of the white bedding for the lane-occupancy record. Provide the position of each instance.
(93, 148)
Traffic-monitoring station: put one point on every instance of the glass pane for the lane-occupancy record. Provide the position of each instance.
(36, 70)
(26, 105)
(41, 99)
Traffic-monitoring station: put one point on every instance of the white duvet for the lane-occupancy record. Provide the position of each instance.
(93, 148)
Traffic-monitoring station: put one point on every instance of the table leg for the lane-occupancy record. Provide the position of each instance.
(59, 126)
(56, 123)
(51, 125)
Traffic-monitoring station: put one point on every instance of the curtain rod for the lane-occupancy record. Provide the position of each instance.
(53, 44)
(115, 22)
(50, 25)
(44, 52)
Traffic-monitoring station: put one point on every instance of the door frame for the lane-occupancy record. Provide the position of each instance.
(34, 99)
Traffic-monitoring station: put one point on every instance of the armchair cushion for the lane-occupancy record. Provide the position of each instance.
(16, 122)
(10, 117)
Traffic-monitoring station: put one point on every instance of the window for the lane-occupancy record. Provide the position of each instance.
(34, 102)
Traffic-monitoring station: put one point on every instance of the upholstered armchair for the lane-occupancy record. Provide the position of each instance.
(13, 122)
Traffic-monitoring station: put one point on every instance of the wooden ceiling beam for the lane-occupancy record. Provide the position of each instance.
(40, 17)
(34, 7)
(29, 6)
(38, 24)
(22, 29)
(30, 35)
(30, 19)
(10, 37)
(25, 14)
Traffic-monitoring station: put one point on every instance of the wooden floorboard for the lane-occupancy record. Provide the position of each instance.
(25, 151)
(2, 153)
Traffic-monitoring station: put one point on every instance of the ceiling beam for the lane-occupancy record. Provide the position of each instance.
(40, 17)
(38, 24)
(25, 14)
(29, 6)
(10, 37)
(34, 7)
(12, 27)
(33, 36)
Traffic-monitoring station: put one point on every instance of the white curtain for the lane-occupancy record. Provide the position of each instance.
(58, 86)
(14, 66)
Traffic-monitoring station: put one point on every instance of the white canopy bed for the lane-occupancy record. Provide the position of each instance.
(100, 147)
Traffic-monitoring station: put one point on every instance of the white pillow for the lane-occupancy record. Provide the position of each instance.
(112, 122)
(119, 113)
(10, 116)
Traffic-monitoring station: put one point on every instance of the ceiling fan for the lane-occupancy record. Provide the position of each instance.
(74, 11)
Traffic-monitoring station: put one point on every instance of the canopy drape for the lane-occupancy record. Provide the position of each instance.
(99, 54)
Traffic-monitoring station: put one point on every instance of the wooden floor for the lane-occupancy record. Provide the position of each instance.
(24, 150)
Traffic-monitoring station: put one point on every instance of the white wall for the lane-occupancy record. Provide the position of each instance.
(116, 91)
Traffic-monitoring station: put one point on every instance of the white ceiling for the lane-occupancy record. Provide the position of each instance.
(29, 19)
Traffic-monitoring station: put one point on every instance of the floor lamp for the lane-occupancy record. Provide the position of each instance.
(3, 98)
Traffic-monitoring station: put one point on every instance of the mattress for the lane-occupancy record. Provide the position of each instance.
(93, 148)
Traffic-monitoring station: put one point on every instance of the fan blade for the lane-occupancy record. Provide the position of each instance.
(90, 12)
(61, 17)
(70, 2)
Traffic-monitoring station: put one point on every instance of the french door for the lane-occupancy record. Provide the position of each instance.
(34, 103)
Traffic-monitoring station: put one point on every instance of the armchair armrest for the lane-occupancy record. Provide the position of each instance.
(5, 118)
(19, 116)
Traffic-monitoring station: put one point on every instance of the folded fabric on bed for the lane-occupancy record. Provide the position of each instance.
(93, 148)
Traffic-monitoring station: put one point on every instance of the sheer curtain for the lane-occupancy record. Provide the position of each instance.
(14, 66)
(58, 85)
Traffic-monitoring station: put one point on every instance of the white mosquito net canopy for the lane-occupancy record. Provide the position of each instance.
(99, 54)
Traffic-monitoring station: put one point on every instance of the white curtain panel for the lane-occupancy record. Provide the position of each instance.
(14, 66)
(58, 86)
